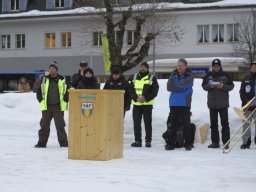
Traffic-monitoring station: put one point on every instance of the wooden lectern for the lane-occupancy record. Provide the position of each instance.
(95, 130)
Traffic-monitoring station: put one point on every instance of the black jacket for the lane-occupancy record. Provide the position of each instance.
(218, 98)
(120, 84)
(88, 83)
(75, 79)
(247, 89)
(149, 91)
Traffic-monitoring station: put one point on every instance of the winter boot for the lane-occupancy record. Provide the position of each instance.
(246, 145)
(169, 147)
(148, 144)
(214, 146)
(40, 145)
(188, 148)
(136, 144)
(227, 146)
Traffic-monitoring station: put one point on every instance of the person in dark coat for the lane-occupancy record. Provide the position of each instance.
(144, 89)
(88, 81)
(118, 82)
(180, 84)
(77, 77)
(247, 92)
(217, 83)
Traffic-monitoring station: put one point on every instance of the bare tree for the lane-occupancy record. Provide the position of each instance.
(245, 46)
(145, 19)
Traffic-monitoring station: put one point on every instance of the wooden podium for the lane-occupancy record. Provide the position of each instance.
(95, 130)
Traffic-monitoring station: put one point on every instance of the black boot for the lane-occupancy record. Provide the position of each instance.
(169, 147)
(148, 144)
(188, 148)
(136, 144)
(214, 145)
(247, 144)
(40, 145)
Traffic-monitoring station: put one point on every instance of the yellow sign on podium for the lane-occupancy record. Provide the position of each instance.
(95, 128)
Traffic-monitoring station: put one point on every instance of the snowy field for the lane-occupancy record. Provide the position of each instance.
(24, 168)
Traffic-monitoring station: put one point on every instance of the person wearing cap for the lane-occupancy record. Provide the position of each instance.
(77, 77)
(248, 92)
(144, 88)
(88, 80)
(218, 84)
(118, 82)
(180, 84)
(53, 98)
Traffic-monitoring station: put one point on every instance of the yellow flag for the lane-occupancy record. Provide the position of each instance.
(106, 54)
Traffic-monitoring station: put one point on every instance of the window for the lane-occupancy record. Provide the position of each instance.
(131, 36)
(52, 4)
(5, 41)
(66, 39)
(116, 33)
(97, 39)
(59, 3)
(232, 32)
(20, 41)
(14, 5)
(50, 40)
(218, 33)
(203, 33)
(119, 2)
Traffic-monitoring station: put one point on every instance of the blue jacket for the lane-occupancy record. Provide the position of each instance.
(181, 89)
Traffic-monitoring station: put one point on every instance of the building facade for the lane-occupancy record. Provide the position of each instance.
(35, 32)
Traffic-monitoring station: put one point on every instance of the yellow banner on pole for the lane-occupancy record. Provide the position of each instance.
(106, 54)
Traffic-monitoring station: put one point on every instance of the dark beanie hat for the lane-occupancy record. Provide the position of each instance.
(145, 64)
(54, 64)
(83, 64)
(253, 63)
(216, 62)
(88, 70)
(116, 70)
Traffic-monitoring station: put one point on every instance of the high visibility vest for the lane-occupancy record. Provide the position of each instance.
(138, 86)
(62, 90)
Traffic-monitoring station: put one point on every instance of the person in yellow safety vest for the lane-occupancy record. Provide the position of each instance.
(53, 98)
(144, 89)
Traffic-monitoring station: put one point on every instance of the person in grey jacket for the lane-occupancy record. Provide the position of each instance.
(218, 84)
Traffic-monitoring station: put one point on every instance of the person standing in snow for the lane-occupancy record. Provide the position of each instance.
(144, 88)
(247, 92)
(217, 83)
(180, 84)
(53, 98)
(118, 82)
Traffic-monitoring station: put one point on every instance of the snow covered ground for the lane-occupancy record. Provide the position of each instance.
(24, 168)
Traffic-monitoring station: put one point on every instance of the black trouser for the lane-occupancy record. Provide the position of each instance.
(180, 116)
(225, 131)
(146, 112)
(53, 111)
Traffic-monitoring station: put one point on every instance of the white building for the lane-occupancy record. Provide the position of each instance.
(31, 38)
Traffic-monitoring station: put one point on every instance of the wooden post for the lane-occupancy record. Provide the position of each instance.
(95, 124)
